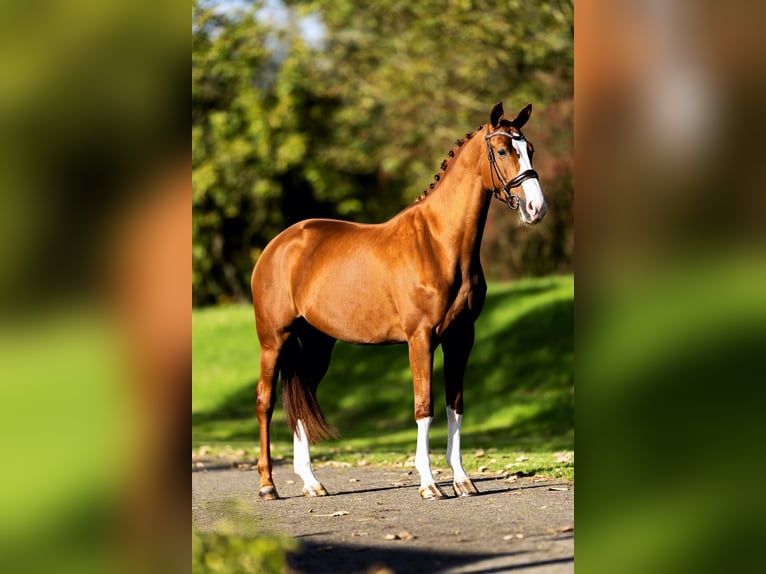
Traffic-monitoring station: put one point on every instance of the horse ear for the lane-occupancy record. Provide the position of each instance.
(497, 114)
(522, 117)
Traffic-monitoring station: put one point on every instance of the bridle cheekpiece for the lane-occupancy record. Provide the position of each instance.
(511, 200)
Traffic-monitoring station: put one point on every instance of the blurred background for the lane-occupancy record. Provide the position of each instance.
(671, 312)
(94, 283)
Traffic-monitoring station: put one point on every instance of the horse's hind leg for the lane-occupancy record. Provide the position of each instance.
(266, 397)
(457, 344)
(317, 349)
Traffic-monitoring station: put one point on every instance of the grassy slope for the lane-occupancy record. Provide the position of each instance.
(519, 391)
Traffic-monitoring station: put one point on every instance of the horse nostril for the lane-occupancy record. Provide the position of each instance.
(531, 208)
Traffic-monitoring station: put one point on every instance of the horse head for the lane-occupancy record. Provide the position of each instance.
(510, 164)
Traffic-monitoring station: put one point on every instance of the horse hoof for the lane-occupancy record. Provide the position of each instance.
(431, 492)
(464, 488)
(268, 493)
(314, 490)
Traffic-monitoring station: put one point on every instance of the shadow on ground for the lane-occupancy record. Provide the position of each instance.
(347, 559)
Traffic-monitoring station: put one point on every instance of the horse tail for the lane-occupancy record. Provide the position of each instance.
(299, 393)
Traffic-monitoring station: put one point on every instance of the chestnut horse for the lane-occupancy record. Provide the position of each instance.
(414, 279)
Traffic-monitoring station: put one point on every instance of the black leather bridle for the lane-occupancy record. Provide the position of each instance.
(512, 201)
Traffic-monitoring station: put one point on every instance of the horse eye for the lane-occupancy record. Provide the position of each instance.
(501, 152)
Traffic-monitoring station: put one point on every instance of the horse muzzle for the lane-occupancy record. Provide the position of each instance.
(530, 213)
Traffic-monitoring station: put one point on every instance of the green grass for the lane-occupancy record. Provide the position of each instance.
(519, 388)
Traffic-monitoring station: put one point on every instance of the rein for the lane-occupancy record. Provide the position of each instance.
(512, 201)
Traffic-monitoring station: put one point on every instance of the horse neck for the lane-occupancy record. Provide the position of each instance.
(457, 208)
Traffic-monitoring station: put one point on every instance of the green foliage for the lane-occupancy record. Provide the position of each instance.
(232, 554)
(355, 125)
(226, 552)
(519, 391)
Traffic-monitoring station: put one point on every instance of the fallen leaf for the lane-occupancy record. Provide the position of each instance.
(353, 480)
(479, 452)
(519, 474)
(401, 535)
(569, 528)
(483, 468)
(559, 488)
(522, 458)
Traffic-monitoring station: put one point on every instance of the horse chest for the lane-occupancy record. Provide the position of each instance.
(467, 300)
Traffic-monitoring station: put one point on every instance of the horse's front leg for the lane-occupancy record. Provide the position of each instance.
(457, 346)
(421, 365)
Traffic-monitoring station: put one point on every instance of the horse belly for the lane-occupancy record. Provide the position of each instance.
(352, 306)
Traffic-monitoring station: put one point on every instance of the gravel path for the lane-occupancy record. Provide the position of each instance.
(375, 522)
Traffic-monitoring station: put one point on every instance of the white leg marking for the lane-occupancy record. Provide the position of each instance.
(302, 458)
(422, 458)
(454, 458)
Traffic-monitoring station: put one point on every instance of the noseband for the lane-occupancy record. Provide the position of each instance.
(511, 200)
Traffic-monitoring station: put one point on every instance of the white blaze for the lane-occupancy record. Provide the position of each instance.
(532, 190)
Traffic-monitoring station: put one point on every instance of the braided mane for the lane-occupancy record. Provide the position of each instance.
(446, 163)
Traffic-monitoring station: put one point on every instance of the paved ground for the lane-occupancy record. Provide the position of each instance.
(375, 522)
